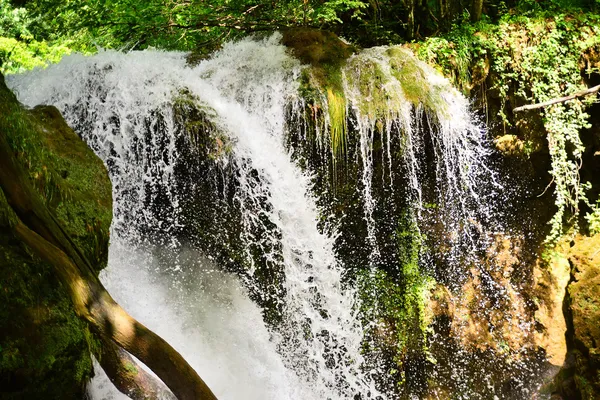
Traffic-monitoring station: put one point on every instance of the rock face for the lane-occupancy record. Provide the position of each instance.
(45, 349)
(551, 279)
(584, 293)
(566, 284)
(580, 378)
(561, 285)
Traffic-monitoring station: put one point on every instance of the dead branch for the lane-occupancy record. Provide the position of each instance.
(582, 93)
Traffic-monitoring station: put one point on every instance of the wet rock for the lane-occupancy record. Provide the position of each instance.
(44, 347)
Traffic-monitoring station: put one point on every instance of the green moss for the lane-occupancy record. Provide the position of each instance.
(83, 196)
(322, 81)
(196, 119)
(367, 77)
(411, 74)
(393, 305)
(45, 349)
(412, 78)
(323, 53)
(336, 107)
(71, 178)
(384, 82)
(131, 368)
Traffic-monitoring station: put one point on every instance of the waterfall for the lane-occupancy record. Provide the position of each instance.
(392, 92)
(122, 106)
(224, 243)
(428, 136)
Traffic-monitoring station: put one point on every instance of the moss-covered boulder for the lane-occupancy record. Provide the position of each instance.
(45, 349)
(322, 50)
(584, 315)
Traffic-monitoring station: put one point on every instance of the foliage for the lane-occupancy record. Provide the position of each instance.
(14, 22)
(533, 59)
(178, 24)
(593, 219)
(195, 24)
(19, 51)
(18, 56)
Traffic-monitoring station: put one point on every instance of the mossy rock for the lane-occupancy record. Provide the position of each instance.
(83, 202)
(72, 180)
(44, 346)
(45, 349)
(195, 120)
(584, 294)
(316, 47)
(323, 51)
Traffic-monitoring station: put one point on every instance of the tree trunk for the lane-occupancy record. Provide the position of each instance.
(476, 10)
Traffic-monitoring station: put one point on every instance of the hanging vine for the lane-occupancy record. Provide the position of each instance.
(534, 59)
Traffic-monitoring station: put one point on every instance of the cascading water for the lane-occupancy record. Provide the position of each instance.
(429, 214)
(444, 161)
(378, 84)
(121, 104)
(452, 201)
(416, 142)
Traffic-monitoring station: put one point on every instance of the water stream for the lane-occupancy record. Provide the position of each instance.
(123, 106)
(112, 99)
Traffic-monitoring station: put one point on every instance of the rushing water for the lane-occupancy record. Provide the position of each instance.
(207, 317)
(441, 119)
(247, 85)
(123, 106)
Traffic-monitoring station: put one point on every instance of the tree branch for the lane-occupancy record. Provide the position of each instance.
(94, 304)
(582, 93)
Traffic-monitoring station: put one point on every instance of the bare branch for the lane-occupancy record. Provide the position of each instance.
(582, 93)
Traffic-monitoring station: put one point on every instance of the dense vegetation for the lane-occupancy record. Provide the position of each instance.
(186, 25)
(532, 59)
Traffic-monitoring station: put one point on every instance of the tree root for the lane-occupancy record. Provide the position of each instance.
(127, 376)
